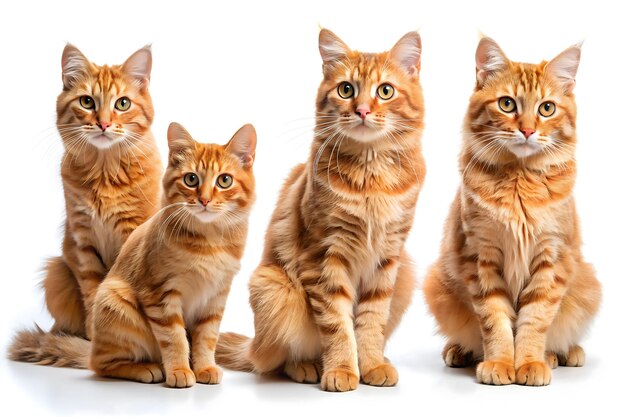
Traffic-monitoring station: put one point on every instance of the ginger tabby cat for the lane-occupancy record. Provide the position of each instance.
(335, 279)
(511, 288)
(172, 276)
(111, 171)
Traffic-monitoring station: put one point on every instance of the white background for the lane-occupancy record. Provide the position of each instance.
(222, 64)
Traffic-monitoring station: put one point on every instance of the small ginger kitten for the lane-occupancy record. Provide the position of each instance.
(111, 171)
(172, 276)
(335, 279)
(511, 289)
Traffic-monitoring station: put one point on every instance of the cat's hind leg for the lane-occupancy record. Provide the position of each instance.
(578, 307)
(286, 339)
(456, 321)
(123, 345)
(63, 298)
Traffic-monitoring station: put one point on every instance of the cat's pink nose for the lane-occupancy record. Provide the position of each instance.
(204, 201)
(104, 125)
(363, 110)
(527, 132)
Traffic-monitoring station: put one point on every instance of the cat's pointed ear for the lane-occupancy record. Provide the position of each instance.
(407, 53)
(243, 145)
(490, 59)
(74, 66)
(179, 141)
(139, 64)
(565, 66)
(332, 48)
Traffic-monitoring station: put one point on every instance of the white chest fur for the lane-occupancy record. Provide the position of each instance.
(205, 278)
(105, 240)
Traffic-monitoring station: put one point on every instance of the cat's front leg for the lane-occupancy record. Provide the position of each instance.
(167, 324)
(372, 315)
(495, 314)
(331, 295)
(538, 305)
(204, 336)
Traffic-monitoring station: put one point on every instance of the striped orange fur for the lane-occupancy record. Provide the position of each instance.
(172, 276)
(511, 289)
(111, 171)
(335, 279)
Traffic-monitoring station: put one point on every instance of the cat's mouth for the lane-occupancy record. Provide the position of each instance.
(205, 214)
(523, 148)
(103, 140)
(365, 131)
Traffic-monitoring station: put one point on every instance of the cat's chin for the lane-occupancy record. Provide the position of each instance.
(102, 141)
(205, 216)
(365, 134)
(524, 150)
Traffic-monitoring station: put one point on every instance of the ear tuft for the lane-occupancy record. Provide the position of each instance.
(565, 66)
(179, 141)
(139, 64)
(489, 60)
(243, 145)
(74, 66)
(407, 53)
(331, 47)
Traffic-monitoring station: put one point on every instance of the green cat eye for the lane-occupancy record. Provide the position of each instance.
(385, 91)
(507, 104)
(224, 181)
(87, 102)
(191, 179)
(122, 104)
(345, 90)
(547, 108)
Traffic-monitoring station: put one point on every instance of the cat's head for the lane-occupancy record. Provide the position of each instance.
(208, 181)
(521, 110)
(369, 97)
(104, 105)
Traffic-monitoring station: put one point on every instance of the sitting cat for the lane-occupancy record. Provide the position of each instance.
(511, 288)
(335, 278)
(173, 274)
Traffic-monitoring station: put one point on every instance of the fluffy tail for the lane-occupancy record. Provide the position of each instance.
(50, 349)
(232, 352)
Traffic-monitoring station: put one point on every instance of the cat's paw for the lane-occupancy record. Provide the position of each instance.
(575, 357)
(495, 373)
(149, 373)
(383, 375)
(536, 373)
(303, 372)
(552, 360)
(339, 380)
(455, 357)
(180, 378)
(209, 375)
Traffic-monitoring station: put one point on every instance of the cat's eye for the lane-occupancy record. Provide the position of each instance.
(385, 91)
(507, 104)
(191, 179)
(345, 90)
(224, 181)
(122, 103)
(547, 109)
(87, 102)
